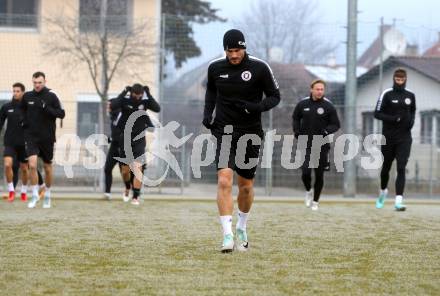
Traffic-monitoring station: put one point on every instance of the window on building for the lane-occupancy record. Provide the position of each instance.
(87, 119)
(5, 96)
(117, 17)
(436, 128)
(430, 127)
(19, 13)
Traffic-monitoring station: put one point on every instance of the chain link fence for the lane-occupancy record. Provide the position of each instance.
(181, 92)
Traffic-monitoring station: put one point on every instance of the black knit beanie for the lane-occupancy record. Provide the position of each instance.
(234, 39)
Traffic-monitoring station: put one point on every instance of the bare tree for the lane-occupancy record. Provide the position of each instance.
(106, 45)
(291, 25)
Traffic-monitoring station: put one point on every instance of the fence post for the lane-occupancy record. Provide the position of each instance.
(269, 171)
(98, 178)
(183, 159)
(431, 160)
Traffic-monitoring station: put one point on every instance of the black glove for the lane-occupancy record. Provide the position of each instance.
(127, 89)
(250, 107)
(406, 121)
(411, 123)
(207, 122)
(146, 89)
(40, 103)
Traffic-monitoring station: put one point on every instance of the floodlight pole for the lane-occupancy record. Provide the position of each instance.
(350, 95)
(381, 33)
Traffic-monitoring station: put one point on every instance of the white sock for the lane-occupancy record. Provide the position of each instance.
(43, 185)
(399, 199)
(47, 192)
(226, 224)
(242, 220)
(23, 188)
(11, 187)
(34, 190)
(385, 191)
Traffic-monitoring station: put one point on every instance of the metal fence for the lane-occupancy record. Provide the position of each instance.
(402, 45)
(181, 89)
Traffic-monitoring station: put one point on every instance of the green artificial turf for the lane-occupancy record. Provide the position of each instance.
(172, 248)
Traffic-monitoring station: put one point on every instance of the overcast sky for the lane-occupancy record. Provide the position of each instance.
(414, 12)
(418, 20)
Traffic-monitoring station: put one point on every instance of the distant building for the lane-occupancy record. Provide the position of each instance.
(394, 43)
(24, 28)
(433, 51)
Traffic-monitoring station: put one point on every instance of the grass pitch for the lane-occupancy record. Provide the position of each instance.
(171, 248)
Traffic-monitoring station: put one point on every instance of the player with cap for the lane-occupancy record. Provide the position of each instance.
(396, 108)
(235, 87)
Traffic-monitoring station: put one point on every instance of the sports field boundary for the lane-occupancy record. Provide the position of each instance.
(258, 199)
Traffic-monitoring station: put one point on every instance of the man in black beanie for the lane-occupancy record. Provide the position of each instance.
(396, 108)
(235, 88)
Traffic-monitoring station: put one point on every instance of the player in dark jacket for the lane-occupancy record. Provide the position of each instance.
(128, 105)
(315, 116)
(11, 113)
(396, 108)
(113, 153)
(41, 108)
(235, 88)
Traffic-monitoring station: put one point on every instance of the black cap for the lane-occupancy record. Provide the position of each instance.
(234, 39)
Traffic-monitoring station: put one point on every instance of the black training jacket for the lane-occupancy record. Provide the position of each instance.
(128, 106)
(41, 109)
(12, 112)
(232, 88)
(396, 108)
(315, 118)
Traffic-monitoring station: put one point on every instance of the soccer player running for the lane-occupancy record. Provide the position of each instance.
(129, 105)
(114, 151)
(14, 142)
(315, 115)
(396, 108)
(41, 108)
(235, 89)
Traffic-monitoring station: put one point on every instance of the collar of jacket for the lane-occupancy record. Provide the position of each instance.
(15, 102)
(399, 88)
